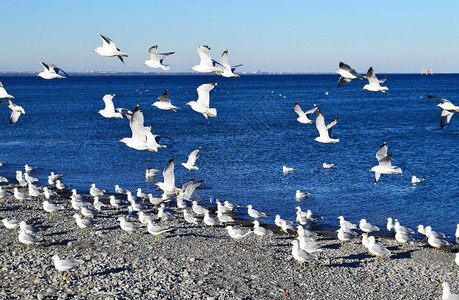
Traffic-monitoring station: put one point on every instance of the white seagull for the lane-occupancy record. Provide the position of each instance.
(16, 111)
(190, 164)
(325, 131)
(206, 65)
(226, 69)
(347, 74)
(4, 93)
(286, 169)
(202, 104)
(448, 109)
(156, 59)
(164, 102)
(303, 117)
(373, 82)
(62, 264)
(109, 109)
(168, 185)
(138, 140)
(51, 71)
(415, 180)
(109, 48)
(327, 166)
(385, 166)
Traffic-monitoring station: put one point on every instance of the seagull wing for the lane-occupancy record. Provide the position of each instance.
(330, 126)
(203, 93)
(136, 124)
(320, 124)
(313, 110)
(190, 189)
(108, 102)
(382, 152)
(342, 81)
(445, 117)
(168, 173)
(203, 52)
(224, 60)
(298, 110)
(371, 76)
(385, 161)
(152, 52)
(161, 56)
(45, 66)
(164, 98)
(193, 156)
(438, 98)
(346, 67)
(107, 42)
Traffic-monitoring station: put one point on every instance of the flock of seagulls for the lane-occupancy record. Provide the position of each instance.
(303, 248)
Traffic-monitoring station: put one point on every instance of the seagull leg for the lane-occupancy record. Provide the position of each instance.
(156, 238)
(28, 247)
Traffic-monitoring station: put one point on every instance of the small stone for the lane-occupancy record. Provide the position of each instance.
(40, 296)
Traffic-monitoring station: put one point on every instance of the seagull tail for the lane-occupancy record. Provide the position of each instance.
(212, 112)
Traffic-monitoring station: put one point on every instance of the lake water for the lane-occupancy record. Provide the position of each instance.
(253, 136)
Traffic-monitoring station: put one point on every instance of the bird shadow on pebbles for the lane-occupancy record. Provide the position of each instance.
(401, 255)
(109, 271)
(60, 243)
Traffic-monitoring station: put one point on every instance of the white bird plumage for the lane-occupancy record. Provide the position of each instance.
(51, 71)
(202, 104)
(303, 117)
(373, 82)
(325, 131)
(109, 48)
(384, 166)
(156, 59)
(206, 64)
(109, 109)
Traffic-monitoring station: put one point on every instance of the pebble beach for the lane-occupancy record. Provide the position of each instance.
(199, 262)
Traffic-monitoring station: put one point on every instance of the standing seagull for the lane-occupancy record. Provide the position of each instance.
(373, 82)
(164, 102)
(206, 65)
(16, 111)
(4, 93)
(448, 109)
(385, 166)
(156, 59)
(190, 164)
(226, 69)
(325, 131)
(62, 264)
(303, 117)
(347, 74)
(109, 48)
(109, 110)
(51, 71)
(202, 104)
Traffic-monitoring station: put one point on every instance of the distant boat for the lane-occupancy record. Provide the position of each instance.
(426, 71)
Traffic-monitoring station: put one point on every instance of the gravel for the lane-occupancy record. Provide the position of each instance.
(196, 262)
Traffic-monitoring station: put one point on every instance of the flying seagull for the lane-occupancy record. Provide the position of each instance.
(156, 59)
(164, 102)
(51, 71)
(168, 185)
(384, 166)
(202, 104)
(373, 82)
(206, 65)
(190, 164)
(325, 131)
(226, 70)
(448, 109)
(109, 48)
(303, 117)
(138, 140)
(16, 111)
(4, 93)
(347, 74)
(109, 110)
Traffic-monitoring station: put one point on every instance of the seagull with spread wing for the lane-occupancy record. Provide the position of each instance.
(373, 82)
(303, 117)
(190, 164)
(109, 48)
(164, 102)
(384, 166)
(206, 64)
(226, 70)
(51, 71)
(347, 74)
(202, 104)
(325, 131)
(109, 110)
(168, 185)
(156, 59)
(4, 93)
(448, 109)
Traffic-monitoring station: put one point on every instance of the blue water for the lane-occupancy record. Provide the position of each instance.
(245, 146)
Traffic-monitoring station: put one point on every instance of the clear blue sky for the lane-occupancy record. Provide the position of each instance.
(297, 36)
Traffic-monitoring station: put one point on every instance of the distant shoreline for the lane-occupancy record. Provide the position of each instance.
(108, 73)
